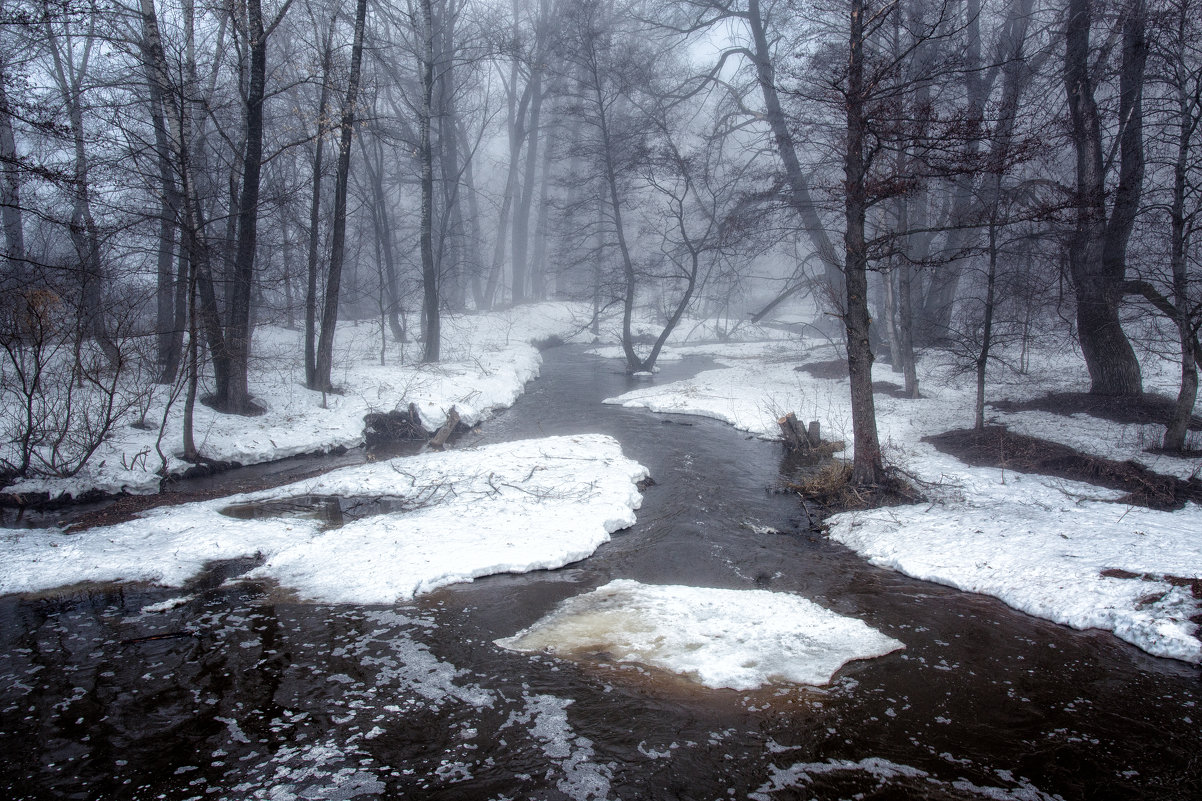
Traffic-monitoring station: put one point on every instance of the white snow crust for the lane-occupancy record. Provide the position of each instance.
(1039, 544)
(510, 507)
(739, 639)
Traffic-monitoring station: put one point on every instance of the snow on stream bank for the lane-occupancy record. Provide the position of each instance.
(488, 358)
(1060, 550)
(450, 517)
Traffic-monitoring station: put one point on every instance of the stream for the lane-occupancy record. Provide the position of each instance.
(233, 689)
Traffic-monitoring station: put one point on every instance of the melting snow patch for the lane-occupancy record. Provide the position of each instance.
(506, 508)
(740, 639)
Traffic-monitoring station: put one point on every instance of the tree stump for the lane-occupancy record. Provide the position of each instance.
(439, 440)
(798, 437)
(795, 436)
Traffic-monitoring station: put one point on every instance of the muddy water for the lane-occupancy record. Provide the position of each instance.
(232, 690)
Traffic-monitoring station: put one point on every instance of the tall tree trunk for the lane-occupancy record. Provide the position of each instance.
(982, 363)
(314, 240)
(1097, 253)
(452, 246)
(194, 274)
(382, 228)
(430, 294)
(633, 362)
(538, 265)
(10, 190)
(1188, 118)
(521, 220)
(190, 125)
(238, 330)
(473, 238)
(517, 135)
(191, 453)
(85, 235)
(867, 465)
(329, 317)
(169, 336)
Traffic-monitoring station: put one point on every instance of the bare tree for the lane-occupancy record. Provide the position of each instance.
(325, 345)
(1097, 253)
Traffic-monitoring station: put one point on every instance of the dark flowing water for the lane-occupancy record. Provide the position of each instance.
(239, 692)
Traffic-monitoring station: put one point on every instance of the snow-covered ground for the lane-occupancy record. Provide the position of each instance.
(1048, 547)
(740, 639)
(448, 517)
(1053, 548)
(487, 361)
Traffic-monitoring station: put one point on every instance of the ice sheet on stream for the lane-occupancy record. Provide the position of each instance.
(738, 639)
(511, 507)
(1061, 550)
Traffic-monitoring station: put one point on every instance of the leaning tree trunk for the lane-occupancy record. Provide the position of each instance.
(799, 196)
(329, 317)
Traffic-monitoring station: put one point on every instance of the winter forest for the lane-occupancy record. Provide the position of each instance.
(342, 340)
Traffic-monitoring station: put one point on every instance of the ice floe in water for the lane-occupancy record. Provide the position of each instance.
(740, 639)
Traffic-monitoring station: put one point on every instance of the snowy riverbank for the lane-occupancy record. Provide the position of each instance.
(439, 518)
(488, 360)
(1058, 549)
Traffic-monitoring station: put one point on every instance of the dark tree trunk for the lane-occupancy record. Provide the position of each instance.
(867, 465)
(1097, 253)
(1188, 118)
(169, 336)
(453, 247)
(314, 243)
(329, 317)
(982, 364)
(430, 294)
(10, 190)
(236, 398)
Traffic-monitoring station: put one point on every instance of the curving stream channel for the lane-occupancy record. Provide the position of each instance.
(238, 691)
